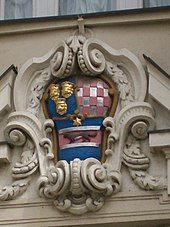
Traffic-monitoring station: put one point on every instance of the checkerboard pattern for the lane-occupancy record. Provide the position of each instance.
(93, 97)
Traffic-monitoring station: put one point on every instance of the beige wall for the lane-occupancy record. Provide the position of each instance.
(142, 33)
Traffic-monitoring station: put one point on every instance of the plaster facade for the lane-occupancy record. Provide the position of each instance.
(138, 193)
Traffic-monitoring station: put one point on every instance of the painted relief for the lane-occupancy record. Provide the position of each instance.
(78, 106)
(82, 116)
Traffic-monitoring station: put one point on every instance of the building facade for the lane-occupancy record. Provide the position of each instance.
(84, 115)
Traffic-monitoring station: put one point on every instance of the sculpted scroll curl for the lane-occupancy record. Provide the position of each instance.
(62, 63)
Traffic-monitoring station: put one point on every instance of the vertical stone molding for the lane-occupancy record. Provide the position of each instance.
(167, 155)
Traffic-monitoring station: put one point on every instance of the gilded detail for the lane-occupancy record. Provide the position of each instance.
(65, 92)
(77, 121)
(54, 91)
(61, 106)
(67, 89)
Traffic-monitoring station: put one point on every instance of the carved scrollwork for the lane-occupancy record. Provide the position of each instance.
(75, 42)
(110, 125)
(91, 57)
(16, 133)
(139, 129)
(145, 181)
(62, 63)
(137, 163)
(124, 85)
(133, 156)
(45, 142)
(25, 168)
(48, 127)
(56, 62)
(78, 206)
(91, 62)
(120, 126)
(132, 115)
(130, 118)
(24, 129)
(60, 67)
(13, 191)
(37, 89)
(47, 145)
(16, 137)
(56, 181)
(87, 183)
(27, 125)
(95, 202)
(76, 184)
(81, 185)
(28, 164)
(99, 179)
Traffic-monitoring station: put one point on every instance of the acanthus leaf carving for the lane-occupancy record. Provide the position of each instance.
(37, 89)
(123, 84)
(146, 181)
(16, 189)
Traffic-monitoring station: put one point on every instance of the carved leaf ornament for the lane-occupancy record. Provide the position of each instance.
(92, 97)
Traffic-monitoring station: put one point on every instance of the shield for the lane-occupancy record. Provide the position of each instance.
(78, 106)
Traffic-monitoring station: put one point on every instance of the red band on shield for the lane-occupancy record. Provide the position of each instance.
(80, 137)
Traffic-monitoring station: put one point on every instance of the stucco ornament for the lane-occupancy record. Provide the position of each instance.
(81, 183)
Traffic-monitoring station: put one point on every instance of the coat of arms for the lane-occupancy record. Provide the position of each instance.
(78, 105)
(82, 114)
